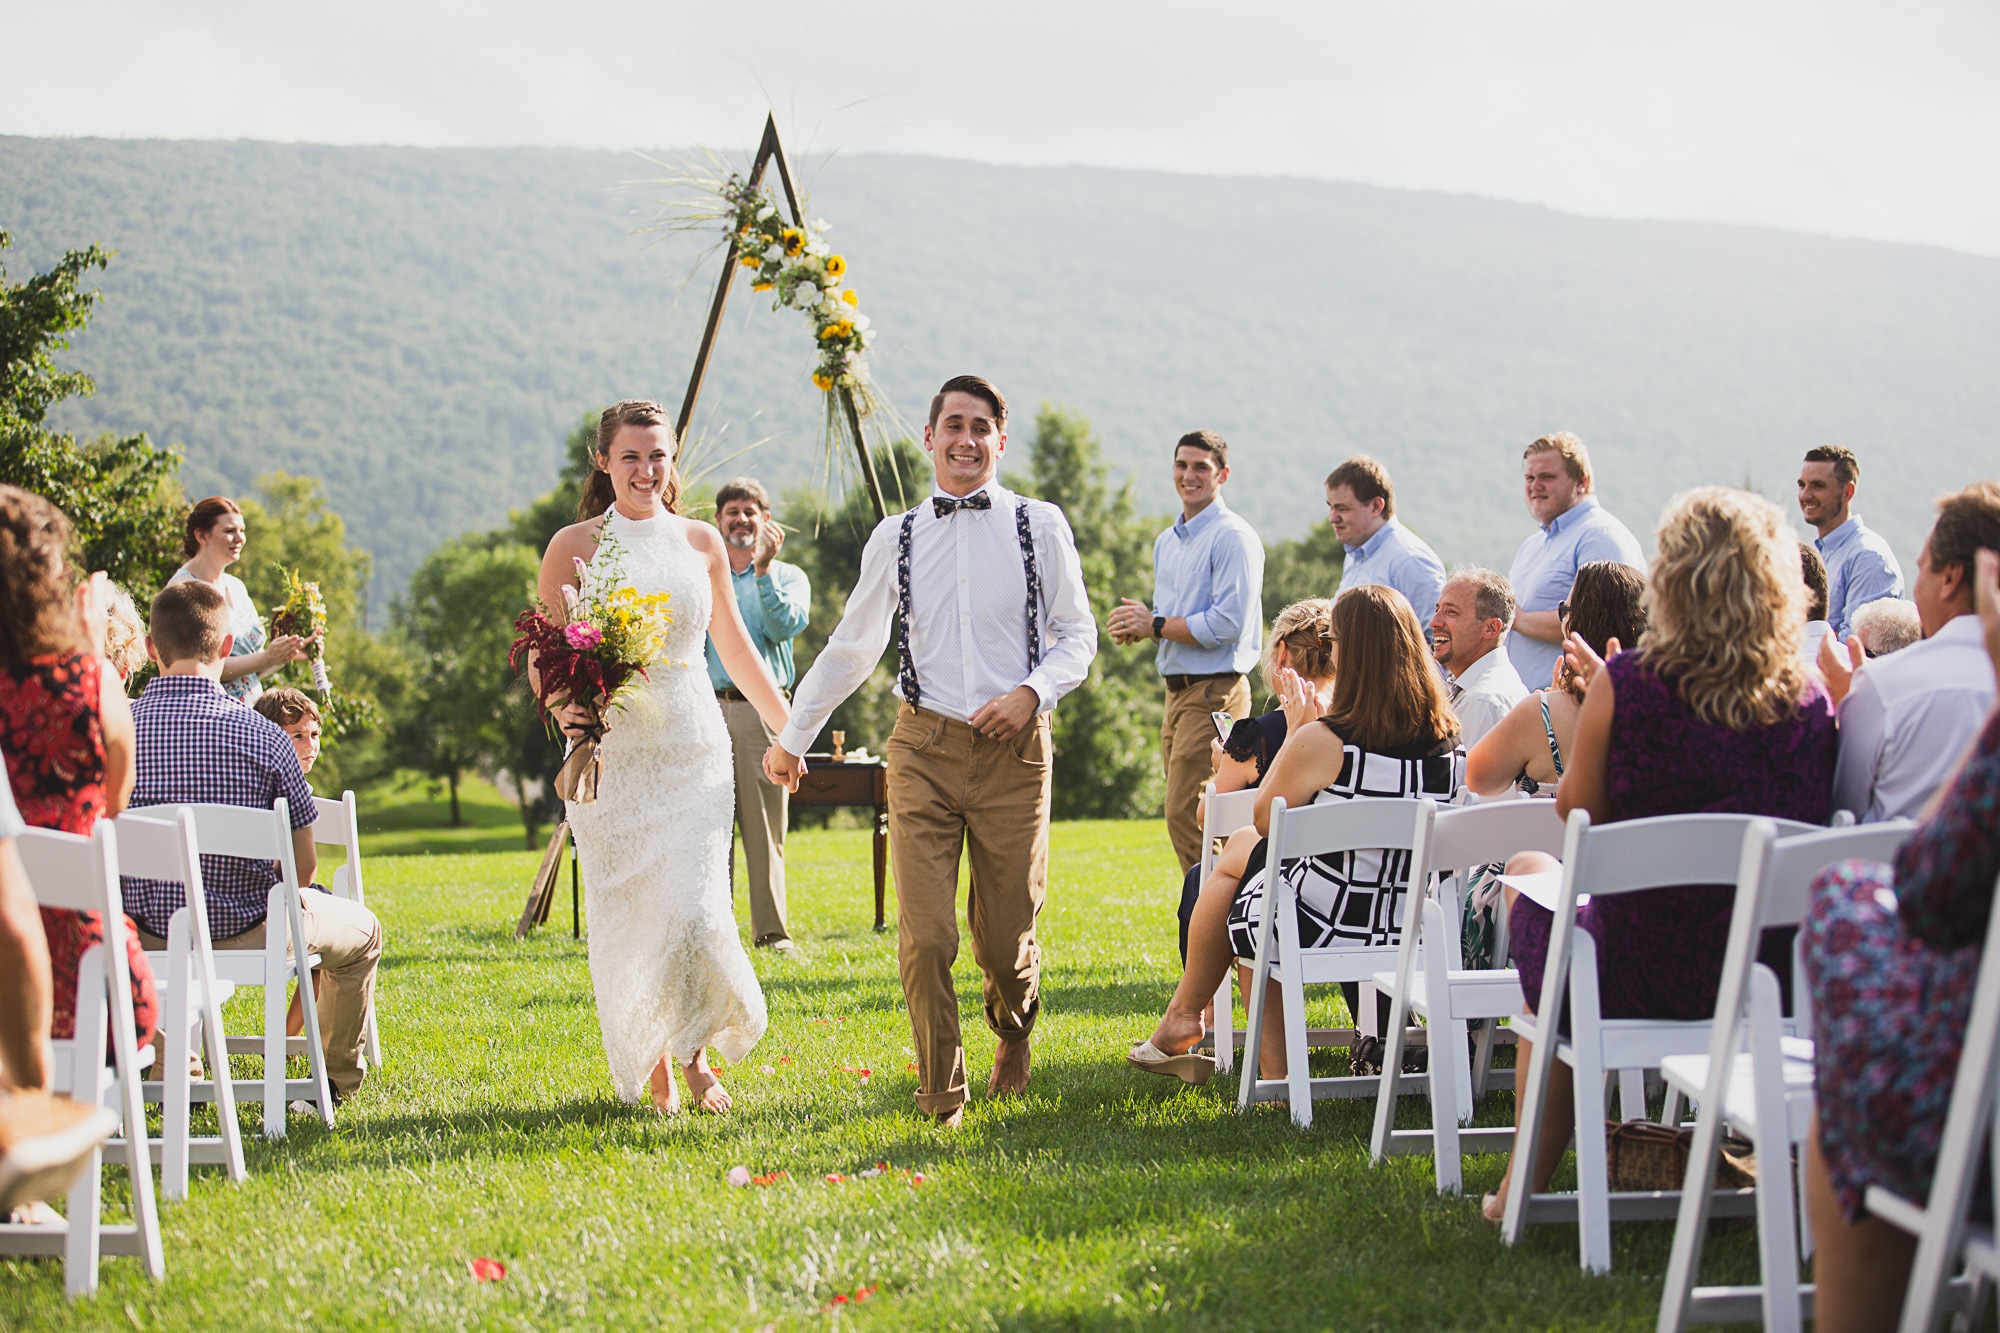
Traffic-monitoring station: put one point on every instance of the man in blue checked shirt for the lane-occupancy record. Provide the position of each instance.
(195, 745)
(775, 599)
(1361, 505)
(1860, 567)
(1208, 617)
(1571, 529)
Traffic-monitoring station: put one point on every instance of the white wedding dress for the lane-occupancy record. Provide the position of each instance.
(668, 964)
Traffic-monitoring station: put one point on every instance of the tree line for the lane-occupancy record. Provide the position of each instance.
(434, 694)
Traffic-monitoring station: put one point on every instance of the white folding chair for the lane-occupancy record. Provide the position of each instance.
(1388, 824)
(266, 835)
(1764, 1093)
(81, 875)
(1222, 814)
(1625, 857)
(167, 848)
(1429, 982)
(1945, 1237)
(339, 825)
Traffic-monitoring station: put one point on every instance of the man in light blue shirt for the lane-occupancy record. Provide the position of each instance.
(1361, 505)
(775, 599)
(1208, 617)
(1860, 567)
(1572, 530)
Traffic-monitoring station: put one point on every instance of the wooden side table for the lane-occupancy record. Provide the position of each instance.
(851, 783)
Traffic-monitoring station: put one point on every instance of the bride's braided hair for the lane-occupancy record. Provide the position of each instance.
(597, 491)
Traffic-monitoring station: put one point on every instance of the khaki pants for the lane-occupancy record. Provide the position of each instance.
(348, 940)
(951, 789)
(1185, 733)
(760, 813)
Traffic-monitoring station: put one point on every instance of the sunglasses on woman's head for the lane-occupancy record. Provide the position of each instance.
(1562, 610)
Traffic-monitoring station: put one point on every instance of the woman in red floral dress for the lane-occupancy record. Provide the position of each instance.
(65, 726)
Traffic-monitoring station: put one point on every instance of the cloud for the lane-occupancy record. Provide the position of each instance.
(1844, 118)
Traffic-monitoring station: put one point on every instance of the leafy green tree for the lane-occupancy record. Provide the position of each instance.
(461, 712)
(1107, 731)
(122, 496)
(1302, 567)
(292, 527)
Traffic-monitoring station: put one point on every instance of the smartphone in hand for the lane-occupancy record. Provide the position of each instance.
(1223, 722)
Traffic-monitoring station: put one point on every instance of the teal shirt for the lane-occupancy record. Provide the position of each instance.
(774, 607)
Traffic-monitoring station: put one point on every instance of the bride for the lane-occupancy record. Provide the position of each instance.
(669, 968)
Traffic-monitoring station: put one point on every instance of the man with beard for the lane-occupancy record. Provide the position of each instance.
(775, 599)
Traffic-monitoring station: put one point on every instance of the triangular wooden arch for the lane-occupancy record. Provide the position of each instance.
(769, 150)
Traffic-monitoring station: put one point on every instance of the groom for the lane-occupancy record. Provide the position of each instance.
(995, 627)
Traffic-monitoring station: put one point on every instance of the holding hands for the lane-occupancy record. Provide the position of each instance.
(783, 768)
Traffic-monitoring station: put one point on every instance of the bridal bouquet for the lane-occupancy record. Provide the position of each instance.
(303, 612)
(593, 655)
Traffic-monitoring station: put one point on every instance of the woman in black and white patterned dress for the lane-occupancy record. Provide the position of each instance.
(1389, 731)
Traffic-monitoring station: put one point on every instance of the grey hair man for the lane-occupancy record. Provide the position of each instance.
(1475, 609)
(775, 599)
(1887, 625)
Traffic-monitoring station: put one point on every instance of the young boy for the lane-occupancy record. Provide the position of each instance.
(297, 716)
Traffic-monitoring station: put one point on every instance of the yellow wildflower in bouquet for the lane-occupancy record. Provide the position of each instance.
(303, 612)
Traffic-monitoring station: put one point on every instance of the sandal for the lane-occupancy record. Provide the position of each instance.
(1365, 1058)
(1191, 1069)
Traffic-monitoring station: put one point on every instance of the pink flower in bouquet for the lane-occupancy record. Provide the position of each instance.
(583, 636)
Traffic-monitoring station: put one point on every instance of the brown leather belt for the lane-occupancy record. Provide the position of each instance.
(1179, 683)
(736, 696)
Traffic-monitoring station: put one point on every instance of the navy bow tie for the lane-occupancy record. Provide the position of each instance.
(944, 506)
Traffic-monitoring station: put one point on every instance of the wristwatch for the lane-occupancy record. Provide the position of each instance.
(1159, 627)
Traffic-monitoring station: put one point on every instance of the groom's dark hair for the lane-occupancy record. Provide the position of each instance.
(978, 387)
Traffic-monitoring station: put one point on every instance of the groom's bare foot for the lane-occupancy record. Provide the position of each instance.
(1010, 1069)
(706, 1089)
(666, 1097)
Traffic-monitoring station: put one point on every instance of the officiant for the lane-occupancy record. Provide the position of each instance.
(775, 599)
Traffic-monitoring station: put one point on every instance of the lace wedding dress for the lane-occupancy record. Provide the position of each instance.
(668, 965)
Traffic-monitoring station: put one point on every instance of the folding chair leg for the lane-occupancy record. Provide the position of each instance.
(1457, 1042)
(84, 1209)
(1777, 1247)
(1482, 1060)
(1670, 1112)
(1298, 1074)
(1446, 1110)
(175, 1112)
(1632, 1094)
(1253, 1036)
(1798, 1169)
(274, 1059)
(1391, 1084)
(1225, 1023)
(1593, 1182)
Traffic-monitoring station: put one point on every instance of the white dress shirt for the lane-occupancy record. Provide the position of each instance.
(1908, 719)
(1487, 692)
(968, 615)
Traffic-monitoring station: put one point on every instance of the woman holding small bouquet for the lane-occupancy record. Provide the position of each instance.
(671, 974)
(214, 541)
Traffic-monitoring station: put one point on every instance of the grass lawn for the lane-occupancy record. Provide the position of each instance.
(1104, 1198)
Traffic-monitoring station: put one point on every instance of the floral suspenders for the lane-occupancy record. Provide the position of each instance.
(906, 670)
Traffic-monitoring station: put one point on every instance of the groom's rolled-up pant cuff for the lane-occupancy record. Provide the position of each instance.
(953, 792)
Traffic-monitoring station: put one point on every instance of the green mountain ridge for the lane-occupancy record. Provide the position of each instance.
(420, 328)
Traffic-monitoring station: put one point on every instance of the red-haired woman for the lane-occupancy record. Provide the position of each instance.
(214, 541)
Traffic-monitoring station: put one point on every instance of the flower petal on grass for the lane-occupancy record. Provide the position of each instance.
(487, 1270)
(739, 1176)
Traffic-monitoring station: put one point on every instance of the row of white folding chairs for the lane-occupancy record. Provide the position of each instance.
(83, 874)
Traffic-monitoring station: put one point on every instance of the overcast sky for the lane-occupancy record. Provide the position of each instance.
(1873, 120)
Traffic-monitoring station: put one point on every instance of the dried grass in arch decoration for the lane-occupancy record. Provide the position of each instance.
(793, 261)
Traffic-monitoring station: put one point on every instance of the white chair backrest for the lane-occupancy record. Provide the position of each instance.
(335, 823)
(1789, 865)
(72, 872)
(1231, 810)
(1663, 851)
(1462, 837)
(241, 830)
(160, 842)
(1366, 823)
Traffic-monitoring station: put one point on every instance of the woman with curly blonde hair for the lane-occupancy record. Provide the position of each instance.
(1713, 713)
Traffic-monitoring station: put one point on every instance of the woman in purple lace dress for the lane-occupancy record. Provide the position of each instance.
(1892, 955)
(1713, 713)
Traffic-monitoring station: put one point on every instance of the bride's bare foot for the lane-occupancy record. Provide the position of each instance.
(666, 1097)
(706, 1089)
(1010, 1069)
(1493, 1208)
